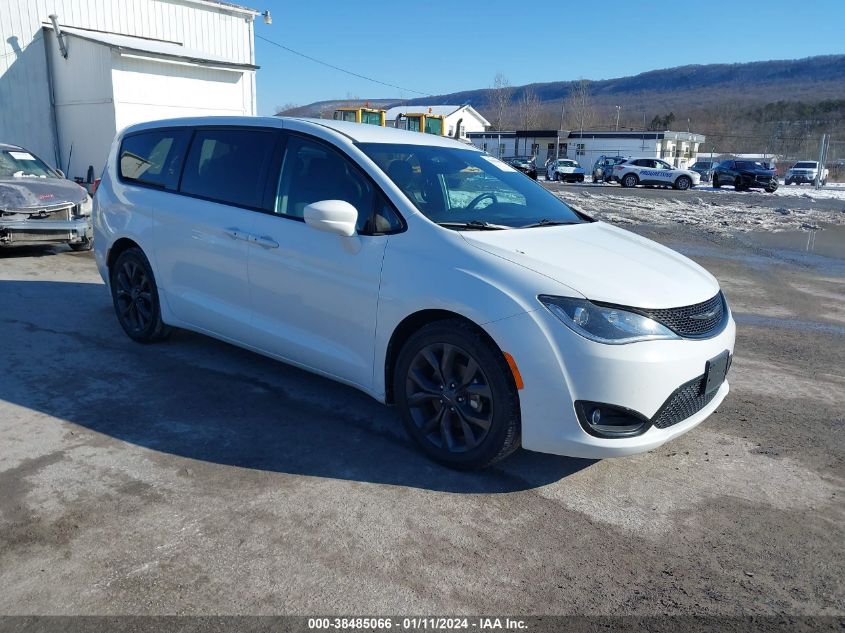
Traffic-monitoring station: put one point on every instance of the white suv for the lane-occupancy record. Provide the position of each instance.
(653, 171)
(418, 270)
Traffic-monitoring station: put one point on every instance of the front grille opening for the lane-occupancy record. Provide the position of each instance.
(685, 401)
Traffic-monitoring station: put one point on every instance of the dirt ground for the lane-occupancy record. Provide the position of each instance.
(191, 477)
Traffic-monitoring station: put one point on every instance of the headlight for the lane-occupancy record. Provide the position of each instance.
(604, 324)
(87, 206)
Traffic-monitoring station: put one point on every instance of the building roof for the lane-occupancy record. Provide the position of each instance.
(146, 46)
(591, 134)
(228, 5)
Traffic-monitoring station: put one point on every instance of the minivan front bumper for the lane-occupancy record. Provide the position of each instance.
(559, 368)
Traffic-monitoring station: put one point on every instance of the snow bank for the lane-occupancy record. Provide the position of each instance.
(709, 211)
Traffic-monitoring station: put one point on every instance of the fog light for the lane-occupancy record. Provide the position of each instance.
(605, 420)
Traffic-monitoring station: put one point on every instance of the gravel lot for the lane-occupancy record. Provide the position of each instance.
(192, 477)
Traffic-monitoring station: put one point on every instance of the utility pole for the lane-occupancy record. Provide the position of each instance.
(618, 110)
(822, 159)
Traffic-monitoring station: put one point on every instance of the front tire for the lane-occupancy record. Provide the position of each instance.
(135, 298)
(85, 245)
(457, 396)
(683, 183)
(716, 184)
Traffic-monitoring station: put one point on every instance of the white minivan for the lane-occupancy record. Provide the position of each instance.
(419, 270)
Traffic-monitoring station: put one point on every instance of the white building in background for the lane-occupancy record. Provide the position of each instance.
(115, 63)
(678, 148)
(464, 116)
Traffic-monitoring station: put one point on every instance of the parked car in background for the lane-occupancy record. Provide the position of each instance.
(565, 170)
(653, 171)
(805, 171)
(745, 174)
(703, 168)
(523, 164)
(38, 205)
(311, 241)
(603, 168)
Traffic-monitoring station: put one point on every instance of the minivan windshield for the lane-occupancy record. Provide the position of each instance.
(467, 189)
(18, 163)
(805, 165)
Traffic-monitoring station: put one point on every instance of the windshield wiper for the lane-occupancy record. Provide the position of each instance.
(477, 225)
(546, 222)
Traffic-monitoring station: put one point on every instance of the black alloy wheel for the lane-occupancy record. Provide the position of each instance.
(135, 298)
(457, 396)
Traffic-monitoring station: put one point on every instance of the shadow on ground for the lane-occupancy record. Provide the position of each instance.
(197, 398)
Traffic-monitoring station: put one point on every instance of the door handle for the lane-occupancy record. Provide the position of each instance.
(235, 233)
(266, 242)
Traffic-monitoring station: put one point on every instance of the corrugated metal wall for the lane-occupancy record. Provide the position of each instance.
(25, 113)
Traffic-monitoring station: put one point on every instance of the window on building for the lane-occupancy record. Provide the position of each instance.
(484, 146)
(580, 149)
(229, 165)
(153, 158)
(535, 149)
(501, 149)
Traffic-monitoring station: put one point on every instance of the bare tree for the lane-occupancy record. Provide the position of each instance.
(529, 109)
(580, 109)
(500, 100)
(287, 107)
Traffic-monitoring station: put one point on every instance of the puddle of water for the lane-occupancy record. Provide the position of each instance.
(827, 242)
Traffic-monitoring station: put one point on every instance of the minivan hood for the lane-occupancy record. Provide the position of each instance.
(603, 263)
(27, 193)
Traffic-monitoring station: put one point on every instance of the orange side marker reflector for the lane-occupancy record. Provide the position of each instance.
(517, 377)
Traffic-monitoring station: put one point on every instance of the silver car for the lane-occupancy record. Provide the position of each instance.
(38, 205)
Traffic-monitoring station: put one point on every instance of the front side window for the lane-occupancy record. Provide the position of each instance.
(312, 172)
(456, 185)
(153, 158)
(229, 166)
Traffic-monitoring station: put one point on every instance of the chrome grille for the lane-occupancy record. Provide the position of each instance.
(699, 320)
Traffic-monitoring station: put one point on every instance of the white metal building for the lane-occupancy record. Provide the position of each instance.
(466, 116)
(115, 63)
(678, 148)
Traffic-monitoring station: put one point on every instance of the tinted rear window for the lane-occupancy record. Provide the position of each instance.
(153, 158)
(229, 165)
(805, 165)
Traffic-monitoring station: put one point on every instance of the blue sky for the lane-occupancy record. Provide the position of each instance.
(441, 46)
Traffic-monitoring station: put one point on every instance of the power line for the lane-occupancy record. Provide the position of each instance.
(343, 70)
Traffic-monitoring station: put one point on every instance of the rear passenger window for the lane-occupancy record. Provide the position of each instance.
(229, 165)
(153, 158)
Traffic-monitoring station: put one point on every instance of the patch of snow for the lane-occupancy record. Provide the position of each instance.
(718, 215)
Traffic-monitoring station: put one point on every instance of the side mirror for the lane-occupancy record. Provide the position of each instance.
(332, 216)
(61, 173)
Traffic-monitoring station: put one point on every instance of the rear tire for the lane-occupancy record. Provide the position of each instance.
(629, 181)
(738, 184)
(135, 298)
(457, 396)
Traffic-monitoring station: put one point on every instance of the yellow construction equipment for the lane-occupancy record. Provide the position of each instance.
(422, 122)
(370, 116)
